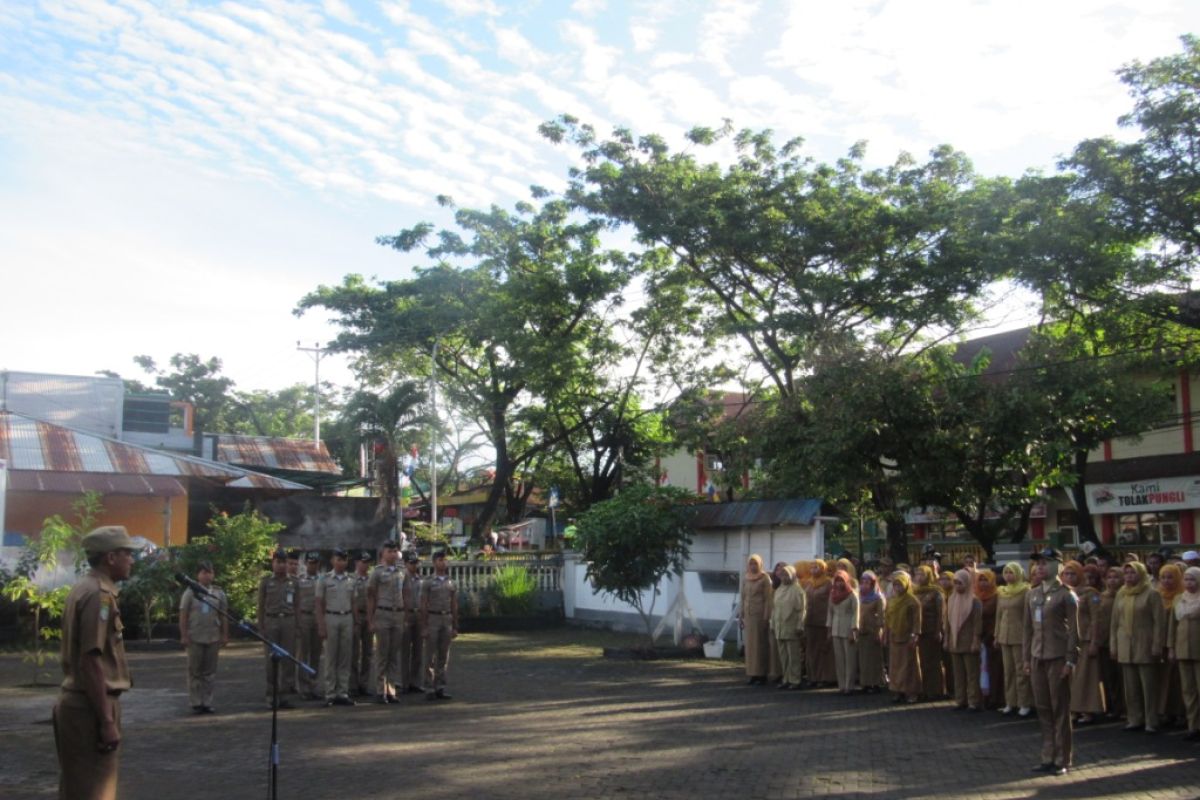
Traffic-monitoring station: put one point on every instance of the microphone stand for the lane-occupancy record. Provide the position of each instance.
(278, 654)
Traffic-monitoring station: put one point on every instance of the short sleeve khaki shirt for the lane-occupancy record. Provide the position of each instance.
(92, 624)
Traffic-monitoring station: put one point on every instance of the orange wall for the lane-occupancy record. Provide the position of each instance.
(142, 516)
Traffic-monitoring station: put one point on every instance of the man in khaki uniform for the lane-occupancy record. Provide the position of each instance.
(412, 667)
(1051, 650)
(362, 643)
(385, 610)
(87, 718)
(204, 630)
(308, 638)
(277, 597)
(439, 620)
(335, 621)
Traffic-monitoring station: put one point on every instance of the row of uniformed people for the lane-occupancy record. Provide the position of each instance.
(382, 617)
(1130, 633)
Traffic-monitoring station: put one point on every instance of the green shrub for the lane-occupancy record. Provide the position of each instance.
(513, 590)
(239, 548)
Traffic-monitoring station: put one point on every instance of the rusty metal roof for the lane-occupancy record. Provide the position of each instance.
(756, 513)
(35, 446)
(303, 455)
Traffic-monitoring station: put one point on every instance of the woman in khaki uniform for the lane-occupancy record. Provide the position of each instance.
(1087, 701)
(842, 621)
(1136, 639)
(755, 618)
(818, 650)
(933, 611)
(787, 627)
(1110, 670)
(991, 664)
(871, 606)
(1170, 691)
(1010, 634)
(903, 629)
(962, 630)
(1183, 642)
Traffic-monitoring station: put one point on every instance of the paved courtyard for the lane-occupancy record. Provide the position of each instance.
(543, 715)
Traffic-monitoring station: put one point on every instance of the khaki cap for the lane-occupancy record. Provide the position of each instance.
(107, 539)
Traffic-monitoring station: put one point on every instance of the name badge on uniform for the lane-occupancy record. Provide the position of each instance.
(204, 608)
(104, 608)
(291, 598)
(1037, 614)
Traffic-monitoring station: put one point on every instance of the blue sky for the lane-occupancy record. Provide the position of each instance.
(174, 176)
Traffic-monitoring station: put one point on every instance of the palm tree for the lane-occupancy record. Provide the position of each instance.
(392, 418)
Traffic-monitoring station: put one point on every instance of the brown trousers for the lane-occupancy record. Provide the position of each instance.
(1189, 677)
(791, 660)
(437, 650)
(412, 665)
(362, 647)
(1017, 691)
(388, 629)
(1141, 694)
(84, 772)
(966, 679)
(282, 631)
(308, 650)
(202, 672)
(933, 674)
(757, 638)
(1052, 698)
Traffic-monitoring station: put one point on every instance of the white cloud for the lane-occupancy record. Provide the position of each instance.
(725, 24)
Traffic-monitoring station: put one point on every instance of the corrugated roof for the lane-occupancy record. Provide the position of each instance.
(755, 513)
(303, 455)
(33, 445)
(80, 482)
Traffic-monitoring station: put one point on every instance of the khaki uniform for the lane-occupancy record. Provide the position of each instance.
(757, 599)
(437, 606)
(412, 666)
(787, 627)
(1052, 640)
(337, 593)
(963, 646)
(1138, 648)
(91, 624)
(933, 674)
(1010, 639)
(842, 620)
(1087, 696)
(818, 650)
(277, 599)
(904, 657)
(308, 639)
(870, 645)
(205, 630)
(385, 585)
(362, 643)
(1183, 637)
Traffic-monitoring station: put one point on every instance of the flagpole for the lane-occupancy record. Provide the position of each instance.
(433, 510)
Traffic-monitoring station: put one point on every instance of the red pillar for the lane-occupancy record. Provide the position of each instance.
(1107, 528)
(1037, 527)
(1185, 402)
(1187, 526)
(701, 475)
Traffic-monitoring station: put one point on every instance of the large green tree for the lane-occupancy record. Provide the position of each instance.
(514, 314)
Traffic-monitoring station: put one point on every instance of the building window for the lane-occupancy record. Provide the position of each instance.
(1068, 527)
(1153, 527)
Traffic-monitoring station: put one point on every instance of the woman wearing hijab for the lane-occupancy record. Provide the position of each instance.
(1110, 670)
(991, 664)
(933, 611)
(842, 620)
(962, 633)
(1087, 701)
(1010, 636)
(1136, 639)
(901, 634)
(1170, 691)
(755, 616)
(818, 651)
(774, 664)
(787, 626)
(1183, 646)
(871, 605)
(945, 582)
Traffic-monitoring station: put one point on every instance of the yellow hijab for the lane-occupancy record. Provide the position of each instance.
(1126, 594)
(930, 580)
(900, 602)
(757, 559)
(1009, 590)
(1170, 595)
(820, 580)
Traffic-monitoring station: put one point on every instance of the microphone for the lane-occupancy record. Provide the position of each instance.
(191, 583)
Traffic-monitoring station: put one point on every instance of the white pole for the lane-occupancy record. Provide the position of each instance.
(316, 351)
(433, 510)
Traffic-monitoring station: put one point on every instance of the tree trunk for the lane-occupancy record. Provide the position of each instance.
(1083, 515)
(897, 538)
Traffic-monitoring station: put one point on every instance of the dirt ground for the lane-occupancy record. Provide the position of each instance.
(543, 715)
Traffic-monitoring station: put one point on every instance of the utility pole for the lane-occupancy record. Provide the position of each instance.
(433, 438)
(316, 352)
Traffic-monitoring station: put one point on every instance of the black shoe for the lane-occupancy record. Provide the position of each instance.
(1131, 729)
(207, 710)
(329, 703)
(431, 696)
(1046, 767)
(343, 700)
(442, 695)
(285, 704)
(973, 709)
(898, 698)
(413, 690)
(1057, 770)
(382, 700)
(197, 709)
